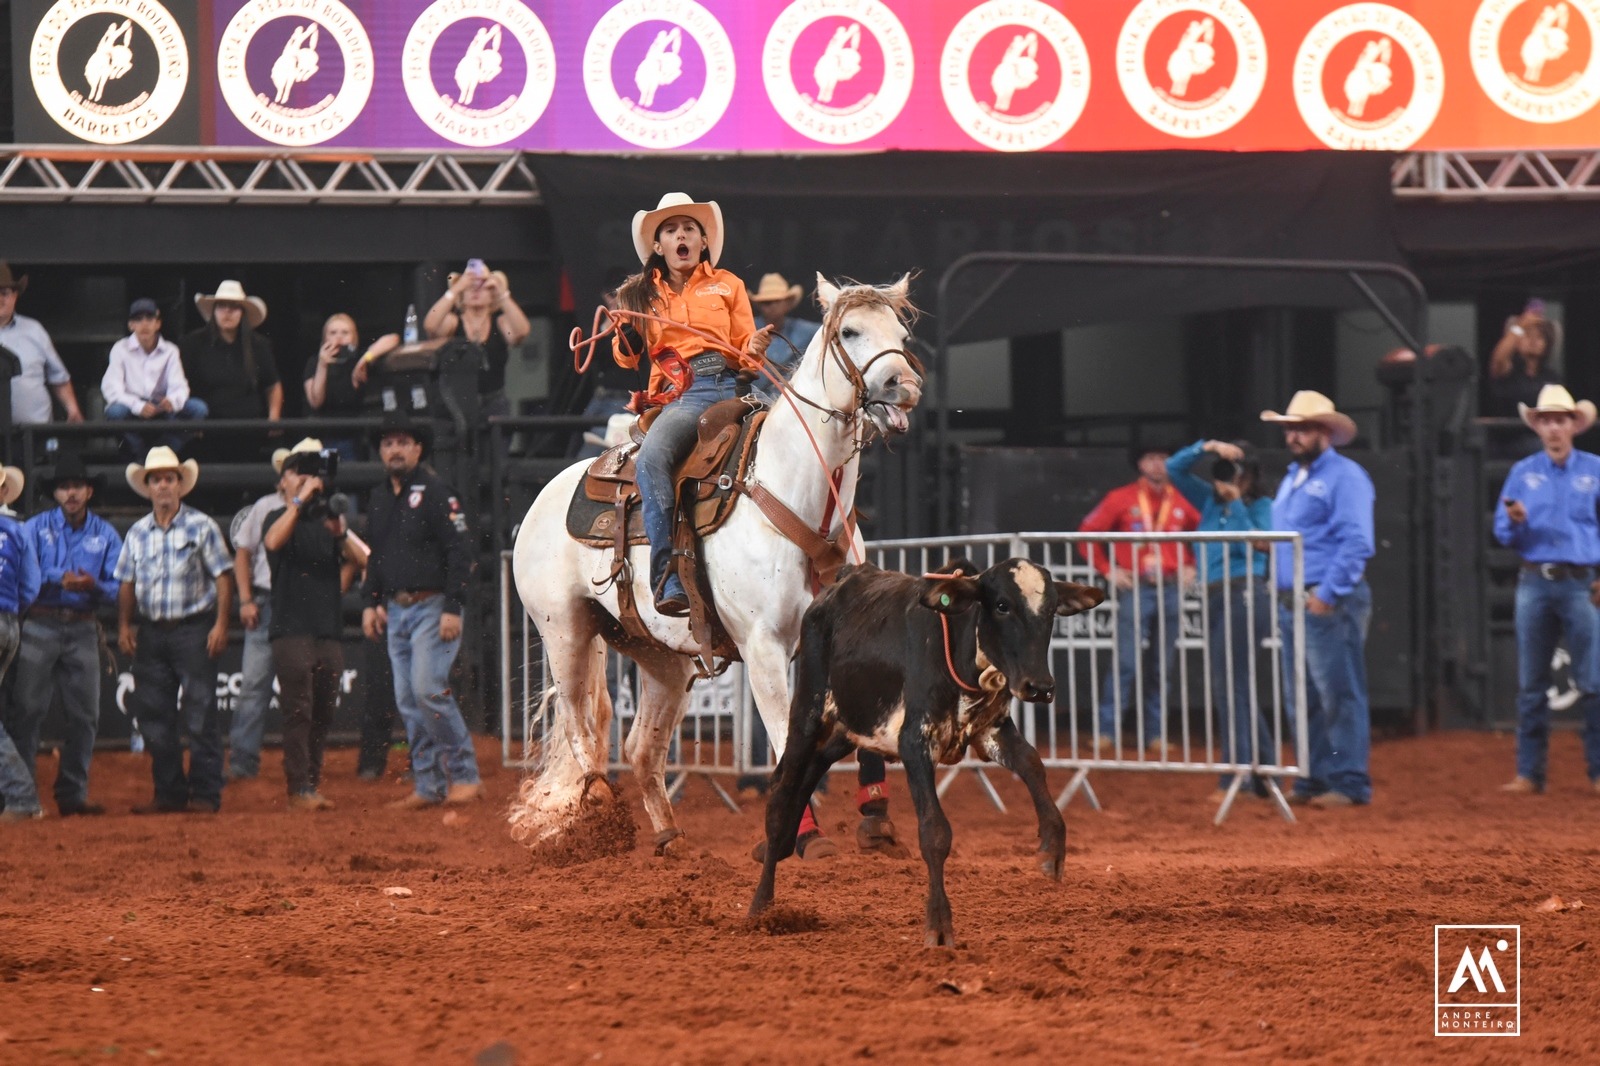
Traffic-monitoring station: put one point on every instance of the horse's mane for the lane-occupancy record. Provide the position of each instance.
(854, 294)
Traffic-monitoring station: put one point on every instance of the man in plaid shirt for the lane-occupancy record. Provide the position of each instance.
(176, 570)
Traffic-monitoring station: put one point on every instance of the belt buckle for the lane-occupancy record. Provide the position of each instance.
(1548, 571)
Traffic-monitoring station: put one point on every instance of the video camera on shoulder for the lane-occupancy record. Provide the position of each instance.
(322, 464)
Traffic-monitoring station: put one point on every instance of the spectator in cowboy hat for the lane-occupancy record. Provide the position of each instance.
(230, 367)
(416, 583)
(42, 371)
(61, 637)
(19, 583)
(773, 301)
(1547, 513)
(144, 378)
(1327, 499)
(175, 570)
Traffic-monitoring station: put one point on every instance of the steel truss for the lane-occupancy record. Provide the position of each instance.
(61, 174)
(1566, 174)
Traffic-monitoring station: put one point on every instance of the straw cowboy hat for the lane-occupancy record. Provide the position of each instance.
(11, 482)
(775, 288)
(231, 292)
(1311, 407)
(9, 280)
(281, 456)
(708, 214)
(1555, 399)
(163, 458)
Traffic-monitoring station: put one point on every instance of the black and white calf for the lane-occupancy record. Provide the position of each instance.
(918, 669)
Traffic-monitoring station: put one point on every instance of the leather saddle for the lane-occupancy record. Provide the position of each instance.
(604, 513)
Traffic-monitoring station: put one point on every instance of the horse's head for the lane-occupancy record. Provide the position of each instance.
(865, 333)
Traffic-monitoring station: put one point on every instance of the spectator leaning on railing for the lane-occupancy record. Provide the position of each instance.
(477, 309)
(19, 583)
(1547, 513)
(42, 371)
(144, 379)
(62, 640)
(175, 568)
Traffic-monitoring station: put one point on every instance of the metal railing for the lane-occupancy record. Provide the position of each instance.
(1197, 719)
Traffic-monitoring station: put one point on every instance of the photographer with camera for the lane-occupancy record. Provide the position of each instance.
(313, 561)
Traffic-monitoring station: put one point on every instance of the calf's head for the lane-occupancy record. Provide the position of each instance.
(1017, 604)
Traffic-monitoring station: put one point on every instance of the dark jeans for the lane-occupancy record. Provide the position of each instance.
(308, 691)
(378, 710)
(1338, 722)
(1239, 619)
(60, 656)
(1143, 619)
(169, 658)
(671, 438)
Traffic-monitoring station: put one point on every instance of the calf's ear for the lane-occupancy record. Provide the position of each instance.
(950, 595)
(1075, 599)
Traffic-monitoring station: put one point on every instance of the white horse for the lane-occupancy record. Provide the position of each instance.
(662, 65)
(1548, 40)
(112, 58)
(481, 64)
(296, 63)
(861, 379)
(840, 61)
(1018, 69)
(1371, 76)
(1195, 54)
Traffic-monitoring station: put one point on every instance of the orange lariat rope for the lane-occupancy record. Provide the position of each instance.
(944, 624)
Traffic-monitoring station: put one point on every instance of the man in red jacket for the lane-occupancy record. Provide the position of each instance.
(1148, 580)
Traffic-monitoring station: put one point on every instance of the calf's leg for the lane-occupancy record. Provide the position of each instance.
(1006, 746)
(933, 833)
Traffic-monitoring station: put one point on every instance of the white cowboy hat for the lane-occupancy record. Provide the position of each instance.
(231, 292)
(1308, 406)
(281, 456)
(163, 458)
(775, 288)
(11, 483)
(708, 214)
(1555, 399)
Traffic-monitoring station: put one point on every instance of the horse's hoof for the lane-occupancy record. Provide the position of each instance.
(939, 938)
(671, 842)
(814, 846)
(597, 791)
(1050, 865)
(876, 834)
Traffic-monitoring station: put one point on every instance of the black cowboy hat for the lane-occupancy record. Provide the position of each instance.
(400, 422)
(69, 467)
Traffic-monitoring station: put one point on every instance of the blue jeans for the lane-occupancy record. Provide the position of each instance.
(1547, 610)
(255, 694)
(192, 410)
(16, 776)
(1158, 613)
(441, 745)
(1338, 722)
(1240, 618)
(60, 656)
(170, 658)
(671, 438)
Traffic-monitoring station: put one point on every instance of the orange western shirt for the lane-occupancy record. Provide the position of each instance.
(712, 301)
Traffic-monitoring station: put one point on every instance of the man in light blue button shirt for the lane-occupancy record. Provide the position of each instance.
(1328, 499)
(1547, 513)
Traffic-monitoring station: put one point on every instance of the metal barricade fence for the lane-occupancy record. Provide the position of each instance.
(1174, 672)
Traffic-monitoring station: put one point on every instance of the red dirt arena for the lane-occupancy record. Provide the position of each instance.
(260, 936)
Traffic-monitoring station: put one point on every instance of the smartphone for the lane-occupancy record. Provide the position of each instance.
(477, 266)
(1534, 306)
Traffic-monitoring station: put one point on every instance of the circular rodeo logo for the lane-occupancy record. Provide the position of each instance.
(1002, 88)
(1192, 68)
(1368, 77)
(109, 71)
(1536, 58)
(659, 73)
(478, 72)
(838, 71)
(295, 72)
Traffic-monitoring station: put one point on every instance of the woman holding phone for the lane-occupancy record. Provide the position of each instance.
(477, 308)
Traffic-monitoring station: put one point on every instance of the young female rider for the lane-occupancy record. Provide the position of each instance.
(679, 244)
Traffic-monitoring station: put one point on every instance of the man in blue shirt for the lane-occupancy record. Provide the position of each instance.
(1327, 499)
(1547, 513)
(61, 639)
(772, 300)
(19, 584)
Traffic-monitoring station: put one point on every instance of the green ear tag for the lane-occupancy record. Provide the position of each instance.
(944, 599)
